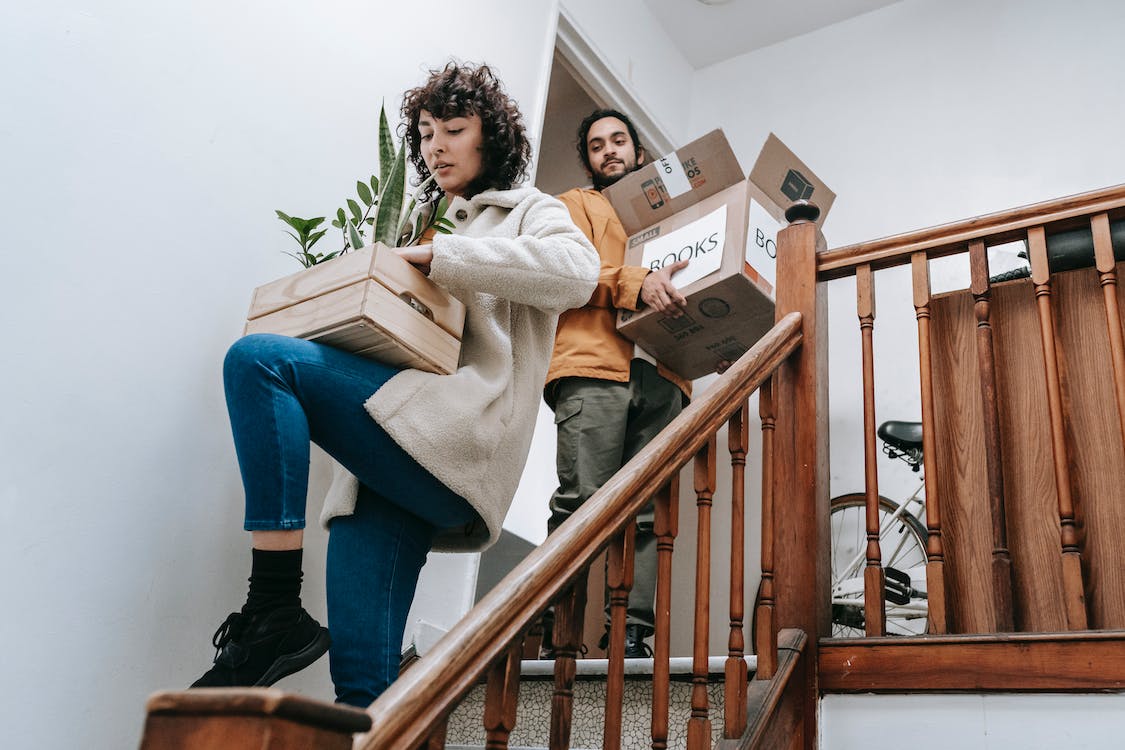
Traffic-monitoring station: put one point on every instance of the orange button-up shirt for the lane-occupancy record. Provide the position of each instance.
(587, 343)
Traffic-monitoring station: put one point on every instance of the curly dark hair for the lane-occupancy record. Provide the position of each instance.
(461, 89)
(588, 122)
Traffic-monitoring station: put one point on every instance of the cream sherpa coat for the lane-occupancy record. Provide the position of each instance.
(516, 260)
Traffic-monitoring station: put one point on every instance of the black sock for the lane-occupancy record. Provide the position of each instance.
(275, 580)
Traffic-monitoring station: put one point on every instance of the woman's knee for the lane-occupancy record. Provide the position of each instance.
(266, 349)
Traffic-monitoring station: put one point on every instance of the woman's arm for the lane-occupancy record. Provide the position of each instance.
(549, 265)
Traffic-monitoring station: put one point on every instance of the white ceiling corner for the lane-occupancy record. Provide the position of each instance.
(707, 34)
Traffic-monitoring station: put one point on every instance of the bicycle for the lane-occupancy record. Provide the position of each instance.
(902, 542)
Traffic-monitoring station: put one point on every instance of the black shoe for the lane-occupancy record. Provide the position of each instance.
(257, 650)
(635, 646)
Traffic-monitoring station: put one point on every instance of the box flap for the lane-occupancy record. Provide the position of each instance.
(783, 179)
(670, 184)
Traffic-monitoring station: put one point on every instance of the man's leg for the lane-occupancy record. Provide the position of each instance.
(590, 416)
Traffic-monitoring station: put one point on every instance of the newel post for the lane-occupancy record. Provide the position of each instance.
(801, 507)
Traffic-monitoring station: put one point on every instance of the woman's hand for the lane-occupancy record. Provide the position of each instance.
(420, 256)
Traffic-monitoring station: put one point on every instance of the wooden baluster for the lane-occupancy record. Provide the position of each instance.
(567, 635)
(436, 740)
(993, 452)
(665, 526)
(874, 578)
(935, 552)
(734, 672)
(501, 697)
(1107, 274)
(699, 725)
(765, 630)
(1073, 590)
(619, 580)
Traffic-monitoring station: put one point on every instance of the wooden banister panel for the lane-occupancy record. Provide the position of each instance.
(1097, 463)
(1008, 663)
(1029, 482)
(1095, 458)
(962, 472)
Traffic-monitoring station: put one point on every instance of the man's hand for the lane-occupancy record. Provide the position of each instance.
(420, 256)
(658, 292)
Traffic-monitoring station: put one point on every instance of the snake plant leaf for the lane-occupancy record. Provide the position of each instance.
(390, 202)
(364, 192)
(354, 237)
(386, 147)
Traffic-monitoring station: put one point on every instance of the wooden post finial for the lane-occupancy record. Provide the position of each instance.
(802, 211)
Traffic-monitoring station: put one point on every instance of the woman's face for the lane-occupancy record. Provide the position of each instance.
(452, 150)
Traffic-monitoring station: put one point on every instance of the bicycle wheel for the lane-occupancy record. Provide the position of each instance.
(902, 542)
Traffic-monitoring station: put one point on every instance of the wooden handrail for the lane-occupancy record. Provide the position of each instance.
(414, 704)
(992, 229)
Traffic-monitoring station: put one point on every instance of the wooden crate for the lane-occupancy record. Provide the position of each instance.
(369, 301)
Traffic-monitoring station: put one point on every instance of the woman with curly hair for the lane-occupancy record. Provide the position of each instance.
(421, 460)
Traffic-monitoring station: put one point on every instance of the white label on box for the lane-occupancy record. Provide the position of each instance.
(672, 173)
(700, 243)
(761, 242)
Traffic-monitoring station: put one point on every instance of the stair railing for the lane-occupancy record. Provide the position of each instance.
(488, 640)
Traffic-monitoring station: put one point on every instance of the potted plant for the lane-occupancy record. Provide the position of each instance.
(363, 297)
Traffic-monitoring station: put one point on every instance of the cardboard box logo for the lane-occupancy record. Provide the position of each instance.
(796, 186)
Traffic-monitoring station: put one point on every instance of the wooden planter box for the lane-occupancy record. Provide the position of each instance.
(369, 301)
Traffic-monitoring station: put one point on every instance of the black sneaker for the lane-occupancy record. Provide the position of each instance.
(635, 646)
(257, 650)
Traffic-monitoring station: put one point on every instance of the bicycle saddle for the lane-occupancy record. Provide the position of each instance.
(903, 435)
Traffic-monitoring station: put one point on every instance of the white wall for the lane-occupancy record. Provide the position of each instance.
(924, 112)
(640, 54)
(972, 722)
(144, 149)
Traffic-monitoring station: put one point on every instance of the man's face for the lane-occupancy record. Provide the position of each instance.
(611, 152)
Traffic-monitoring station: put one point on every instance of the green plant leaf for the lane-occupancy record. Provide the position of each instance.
(340, 216)
(354, 237)
(386, 147)
(364, 192)
(390, 203)
(316, 236)
(375, 185)
(357, 212)
(337, 224)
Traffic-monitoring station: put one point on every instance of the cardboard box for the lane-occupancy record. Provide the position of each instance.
(697, 205)
(368, 301)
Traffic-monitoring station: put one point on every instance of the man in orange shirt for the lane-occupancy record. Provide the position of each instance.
(611, 398)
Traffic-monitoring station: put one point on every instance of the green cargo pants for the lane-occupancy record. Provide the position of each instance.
(601, 425)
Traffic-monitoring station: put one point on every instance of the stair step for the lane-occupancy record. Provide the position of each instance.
(533, 712)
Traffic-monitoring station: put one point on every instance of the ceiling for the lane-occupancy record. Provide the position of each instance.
(707, 34)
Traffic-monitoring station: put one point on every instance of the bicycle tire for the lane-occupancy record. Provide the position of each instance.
(903, 539)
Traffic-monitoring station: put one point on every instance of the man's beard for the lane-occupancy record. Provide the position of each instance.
(601, 182)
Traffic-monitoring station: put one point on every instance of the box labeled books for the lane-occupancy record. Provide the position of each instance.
(697, 205)
(370, 302)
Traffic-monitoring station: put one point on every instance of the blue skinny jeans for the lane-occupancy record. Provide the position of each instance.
(283, 394)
